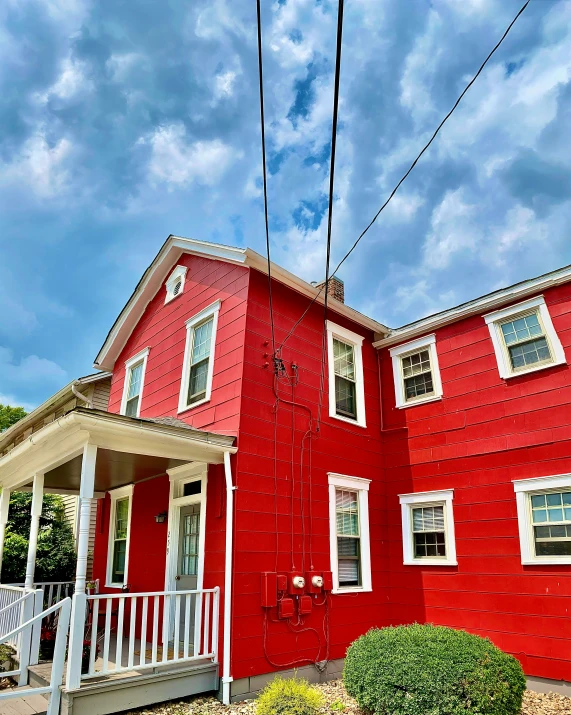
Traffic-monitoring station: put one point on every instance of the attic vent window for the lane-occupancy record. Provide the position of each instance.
(175, 283)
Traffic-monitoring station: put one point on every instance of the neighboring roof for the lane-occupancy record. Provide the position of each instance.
(158, 271)
(483, 304)
(47, 406)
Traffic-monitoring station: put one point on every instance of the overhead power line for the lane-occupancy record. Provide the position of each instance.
(263, 132)
(409, 170)
(331, 187)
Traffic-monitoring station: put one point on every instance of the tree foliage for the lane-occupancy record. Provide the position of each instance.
(55, 556)
(10, 415)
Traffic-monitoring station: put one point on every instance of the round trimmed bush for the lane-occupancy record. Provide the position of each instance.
(293, 696)
(432, 670)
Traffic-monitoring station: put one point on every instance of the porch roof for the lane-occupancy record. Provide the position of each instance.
(129, 450)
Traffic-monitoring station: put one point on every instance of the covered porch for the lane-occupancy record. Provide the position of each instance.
(126, 633)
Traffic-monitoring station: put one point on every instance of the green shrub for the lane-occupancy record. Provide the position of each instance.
(431, 670)
(293, 696)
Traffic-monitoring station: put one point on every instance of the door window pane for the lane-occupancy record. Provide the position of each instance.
(189, 545)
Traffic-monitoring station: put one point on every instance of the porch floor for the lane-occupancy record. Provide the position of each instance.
(24, 704)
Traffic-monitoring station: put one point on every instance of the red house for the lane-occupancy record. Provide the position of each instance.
(266, 494)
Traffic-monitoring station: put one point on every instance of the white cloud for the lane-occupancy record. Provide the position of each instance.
(40, 166)
(177, 162)
(29, 373)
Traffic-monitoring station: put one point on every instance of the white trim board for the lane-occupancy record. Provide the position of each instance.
(428, 342)
(356, 341)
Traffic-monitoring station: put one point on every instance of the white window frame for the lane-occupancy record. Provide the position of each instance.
(361, 486)
(494, 321)
(356, 341)
(211, 311)
(179, 274)
(408, 502)
(428, 342)
(524, 489)
(116, 495)
(140, 357)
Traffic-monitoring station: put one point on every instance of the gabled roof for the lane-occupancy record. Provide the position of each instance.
(478, 306)
(156, 274)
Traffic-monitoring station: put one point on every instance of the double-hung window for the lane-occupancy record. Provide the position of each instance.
(135, 369)
(346, 387)
(119, 533)
(428, 528)
(350, 548)
(198, 364)
(544, 518)
(524, 338)
(416, 372)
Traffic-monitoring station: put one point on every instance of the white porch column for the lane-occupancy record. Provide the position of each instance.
(4, 504)
(77, 626)
(37, 500)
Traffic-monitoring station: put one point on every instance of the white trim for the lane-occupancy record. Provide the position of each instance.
(115, 495)
(179, 476)
(442, 497)
(211, 311)
(356, 341)
(494, 320)
(141, 356)
(524, 489)
(478, 306)
(397, 354)
(361, 486)
(179, 274)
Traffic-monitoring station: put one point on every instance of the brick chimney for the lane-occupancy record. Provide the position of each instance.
(336, 288)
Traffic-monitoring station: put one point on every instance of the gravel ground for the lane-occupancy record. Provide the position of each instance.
(337, 701)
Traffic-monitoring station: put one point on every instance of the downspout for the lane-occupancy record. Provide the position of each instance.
(80, 395)
(226, 677)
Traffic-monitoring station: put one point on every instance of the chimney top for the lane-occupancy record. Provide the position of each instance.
(336, 288)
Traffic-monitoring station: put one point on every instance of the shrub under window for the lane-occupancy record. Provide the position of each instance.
(425, 669)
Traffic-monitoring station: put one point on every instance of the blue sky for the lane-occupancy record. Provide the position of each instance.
(122, 122)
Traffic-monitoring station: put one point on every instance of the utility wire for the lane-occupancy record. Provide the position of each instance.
(414, 163)
(331, 187)
(263, 132)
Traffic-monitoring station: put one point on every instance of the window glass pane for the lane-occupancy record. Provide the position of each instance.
(345, 394)
(189, 555)
(429, 544)
(418, 385)
(416, 364)
(348, 561)
(121, 518)
(555, 499)
(197, 381)
(191, 488)
(529, 353)
(201, 341)
(347, 511)
(118, 569)
(428, 518)
(131, 406)
(521, 329)
(554, 538)
(343, 359)
(538, 501)
(135, 374)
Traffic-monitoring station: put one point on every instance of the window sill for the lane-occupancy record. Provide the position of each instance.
(519, 373)
(551, 561)
(348, 420)
(114, 585)
(351, 589)
(430, 562)
(406, 405)
(194, 404)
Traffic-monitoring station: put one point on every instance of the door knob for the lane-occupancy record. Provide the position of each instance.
(177, 578)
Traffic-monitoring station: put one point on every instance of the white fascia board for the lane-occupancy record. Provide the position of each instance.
(478, 306)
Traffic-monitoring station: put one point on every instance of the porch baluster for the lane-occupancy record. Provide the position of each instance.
(93, 646)
(176, 625)
(187, 603)
(197, 622)
(155, 629)
(107, 635)
(132, 633)
(206, 624)
(119, 645)
(143, 656)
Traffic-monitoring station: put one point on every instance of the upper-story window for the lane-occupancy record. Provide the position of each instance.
(198, 367)
(135, 369)
(544, 519)
(175, 283)
(346, 386)
(524, 338)
(416, 372)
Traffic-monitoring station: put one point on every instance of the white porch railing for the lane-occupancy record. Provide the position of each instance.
(132, 631)
(11, 609)
(64, 607)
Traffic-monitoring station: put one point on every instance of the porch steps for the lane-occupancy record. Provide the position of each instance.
(25, 704)
(126, 691)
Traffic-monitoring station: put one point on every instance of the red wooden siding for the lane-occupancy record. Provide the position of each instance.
(340, 448)
(484, 433)
(162, 329)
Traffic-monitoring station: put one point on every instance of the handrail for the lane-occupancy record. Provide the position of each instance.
(39, 616)
(130, 594)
